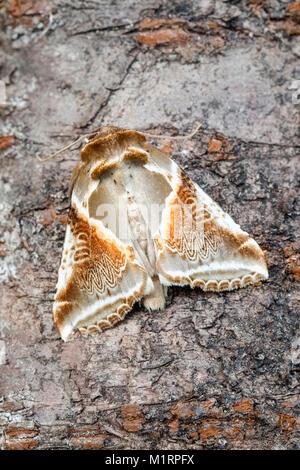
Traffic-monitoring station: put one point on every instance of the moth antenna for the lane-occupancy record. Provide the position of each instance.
(77, 141)
(179, 137)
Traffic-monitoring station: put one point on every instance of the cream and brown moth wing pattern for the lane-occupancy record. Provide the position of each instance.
(138, 224)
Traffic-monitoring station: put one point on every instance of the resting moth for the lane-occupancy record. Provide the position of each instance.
(138, 224)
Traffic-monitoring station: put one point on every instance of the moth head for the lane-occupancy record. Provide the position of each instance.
(108, 141)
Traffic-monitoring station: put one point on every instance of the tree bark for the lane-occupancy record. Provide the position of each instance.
(212, 370)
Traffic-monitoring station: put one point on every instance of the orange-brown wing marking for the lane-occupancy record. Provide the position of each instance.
(200, 245)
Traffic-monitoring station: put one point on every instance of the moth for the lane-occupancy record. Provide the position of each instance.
(138, 224)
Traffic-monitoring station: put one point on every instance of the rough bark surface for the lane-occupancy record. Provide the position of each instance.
(211, 370)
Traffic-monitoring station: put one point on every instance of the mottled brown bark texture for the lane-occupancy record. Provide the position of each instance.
(216, 371)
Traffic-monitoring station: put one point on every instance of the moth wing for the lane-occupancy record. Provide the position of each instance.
(99, 278)
(197, 243)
